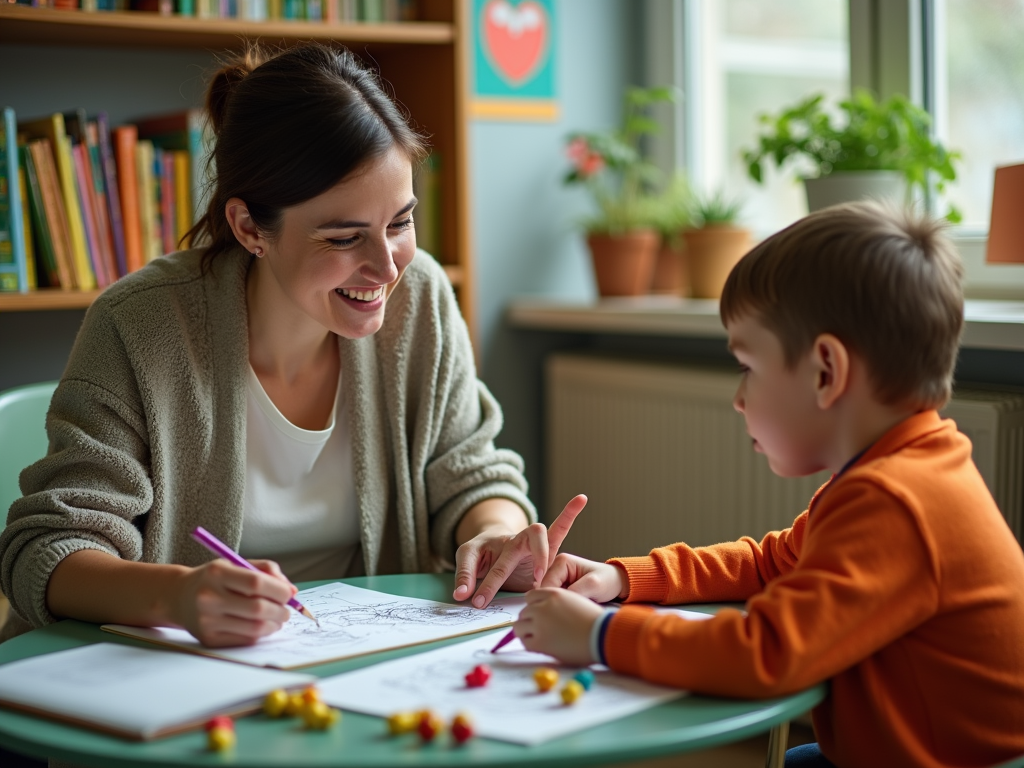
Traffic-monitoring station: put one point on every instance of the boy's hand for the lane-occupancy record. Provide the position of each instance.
(598, 581)
(558, 623)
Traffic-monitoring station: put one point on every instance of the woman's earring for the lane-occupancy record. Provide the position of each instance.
(258, 253)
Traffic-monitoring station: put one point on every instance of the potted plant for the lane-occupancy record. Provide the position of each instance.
(621, 237)
(869, 149)
(714, 243)
(672, 214)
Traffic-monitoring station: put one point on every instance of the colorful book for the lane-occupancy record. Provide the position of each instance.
(427, 188)
(53, 129)
(53, 211)
(167, 201)
(79, 155)
(124, 139)
(48, 275)
(187, 130)
(13, 257)
(26, 223)
(182, 197)
(110, 187)
(149, 225)
(100, 204)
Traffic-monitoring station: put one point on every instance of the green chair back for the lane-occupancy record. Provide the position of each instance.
(22, 436)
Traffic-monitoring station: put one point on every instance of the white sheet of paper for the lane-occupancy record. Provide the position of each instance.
(508, 708)
(353, 621)
(136, 691)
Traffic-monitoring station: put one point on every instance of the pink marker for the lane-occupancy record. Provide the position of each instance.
(508, 638)
(221, 549)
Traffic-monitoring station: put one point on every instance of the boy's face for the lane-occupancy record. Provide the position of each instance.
(778, 403)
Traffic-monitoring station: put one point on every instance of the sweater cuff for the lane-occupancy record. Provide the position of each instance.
(622, 640)
(647, 582)
(598, 630)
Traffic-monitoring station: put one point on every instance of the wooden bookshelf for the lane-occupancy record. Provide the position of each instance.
(423, 61)
(48, 26)
(46, 298)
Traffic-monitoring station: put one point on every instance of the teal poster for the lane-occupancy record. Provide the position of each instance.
(514, 59)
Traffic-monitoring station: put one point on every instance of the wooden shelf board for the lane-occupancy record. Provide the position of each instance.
(49, 26)
(46, 298)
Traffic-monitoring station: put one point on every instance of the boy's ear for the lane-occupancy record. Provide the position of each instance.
(831, 363)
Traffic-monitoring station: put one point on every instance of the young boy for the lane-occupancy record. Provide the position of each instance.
(901, 583)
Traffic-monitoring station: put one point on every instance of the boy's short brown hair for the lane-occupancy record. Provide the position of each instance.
(885, 281)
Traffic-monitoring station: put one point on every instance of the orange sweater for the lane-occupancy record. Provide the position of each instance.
(902, 583)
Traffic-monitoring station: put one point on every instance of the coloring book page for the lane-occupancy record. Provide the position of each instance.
(353, 621)
(508, 708)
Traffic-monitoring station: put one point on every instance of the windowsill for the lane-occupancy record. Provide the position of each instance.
(990, 324)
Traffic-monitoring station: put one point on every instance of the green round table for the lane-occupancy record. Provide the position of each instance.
(684, 725)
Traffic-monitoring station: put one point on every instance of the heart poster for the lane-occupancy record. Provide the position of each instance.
(514, 60)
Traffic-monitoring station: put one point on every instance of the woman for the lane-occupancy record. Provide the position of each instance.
(302, 386)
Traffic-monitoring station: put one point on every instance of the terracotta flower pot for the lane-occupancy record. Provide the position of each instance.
(711, 253)
(623, 264)
(670, 273)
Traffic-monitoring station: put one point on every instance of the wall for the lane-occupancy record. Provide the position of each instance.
(525, 223)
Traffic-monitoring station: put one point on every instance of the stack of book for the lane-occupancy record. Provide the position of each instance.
(82, 204)
(371, 11)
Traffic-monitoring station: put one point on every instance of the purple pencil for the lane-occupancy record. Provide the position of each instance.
(221, 549)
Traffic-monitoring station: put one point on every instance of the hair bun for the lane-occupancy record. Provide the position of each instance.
(226, 79)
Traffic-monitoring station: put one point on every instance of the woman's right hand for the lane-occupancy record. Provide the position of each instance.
(601, 582)
(223, 605)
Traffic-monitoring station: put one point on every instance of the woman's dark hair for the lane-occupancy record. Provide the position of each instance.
(289, 126)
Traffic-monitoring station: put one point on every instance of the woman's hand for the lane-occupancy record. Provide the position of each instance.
(558, 622)
(598, 581)
(516, 561)
(223, 605)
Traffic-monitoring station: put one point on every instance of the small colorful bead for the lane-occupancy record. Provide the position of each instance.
(221, 721)
(430, 725)
(403, 722)
(310, 695)
(585, 678)
(275, 703)
(572, 692)
(479, 677)
(295, 705)
(546, 679)
(319, 716)
(219, 738)
(462, 728)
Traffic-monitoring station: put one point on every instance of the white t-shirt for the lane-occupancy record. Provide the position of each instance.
(300, 504)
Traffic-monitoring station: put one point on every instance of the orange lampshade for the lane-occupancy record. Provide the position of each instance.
(1006, 230)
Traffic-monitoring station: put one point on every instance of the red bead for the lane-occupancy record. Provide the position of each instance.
(479, 677)
(461, 731)
(430, 725)
(221, 721)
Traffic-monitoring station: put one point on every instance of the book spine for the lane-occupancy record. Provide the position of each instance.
(331, 11)
(26, 222)
(185, 7)
(78, 156)
(76, 228)
(113, 197)
(167, 201)
(182, 200)
(125, 139)
(314, 10)
(348, 11)
(275, 9)
(53, 206)
(294, 10)
(12, 219)
(44, 239)
(99, 201)
(144, 195)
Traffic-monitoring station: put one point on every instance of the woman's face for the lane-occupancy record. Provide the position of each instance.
(340, 255)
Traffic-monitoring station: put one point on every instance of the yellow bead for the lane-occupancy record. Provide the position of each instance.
(220, 739)
(572, 691)
(310, 695)
(403, 722)
(295, 705)
(546, 679)
(320, 716)
(275, 703)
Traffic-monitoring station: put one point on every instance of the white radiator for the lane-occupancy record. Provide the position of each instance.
(664, 457)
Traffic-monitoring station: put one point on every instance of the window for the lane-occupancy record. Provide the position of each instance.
(979, 95)
(743, 58)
